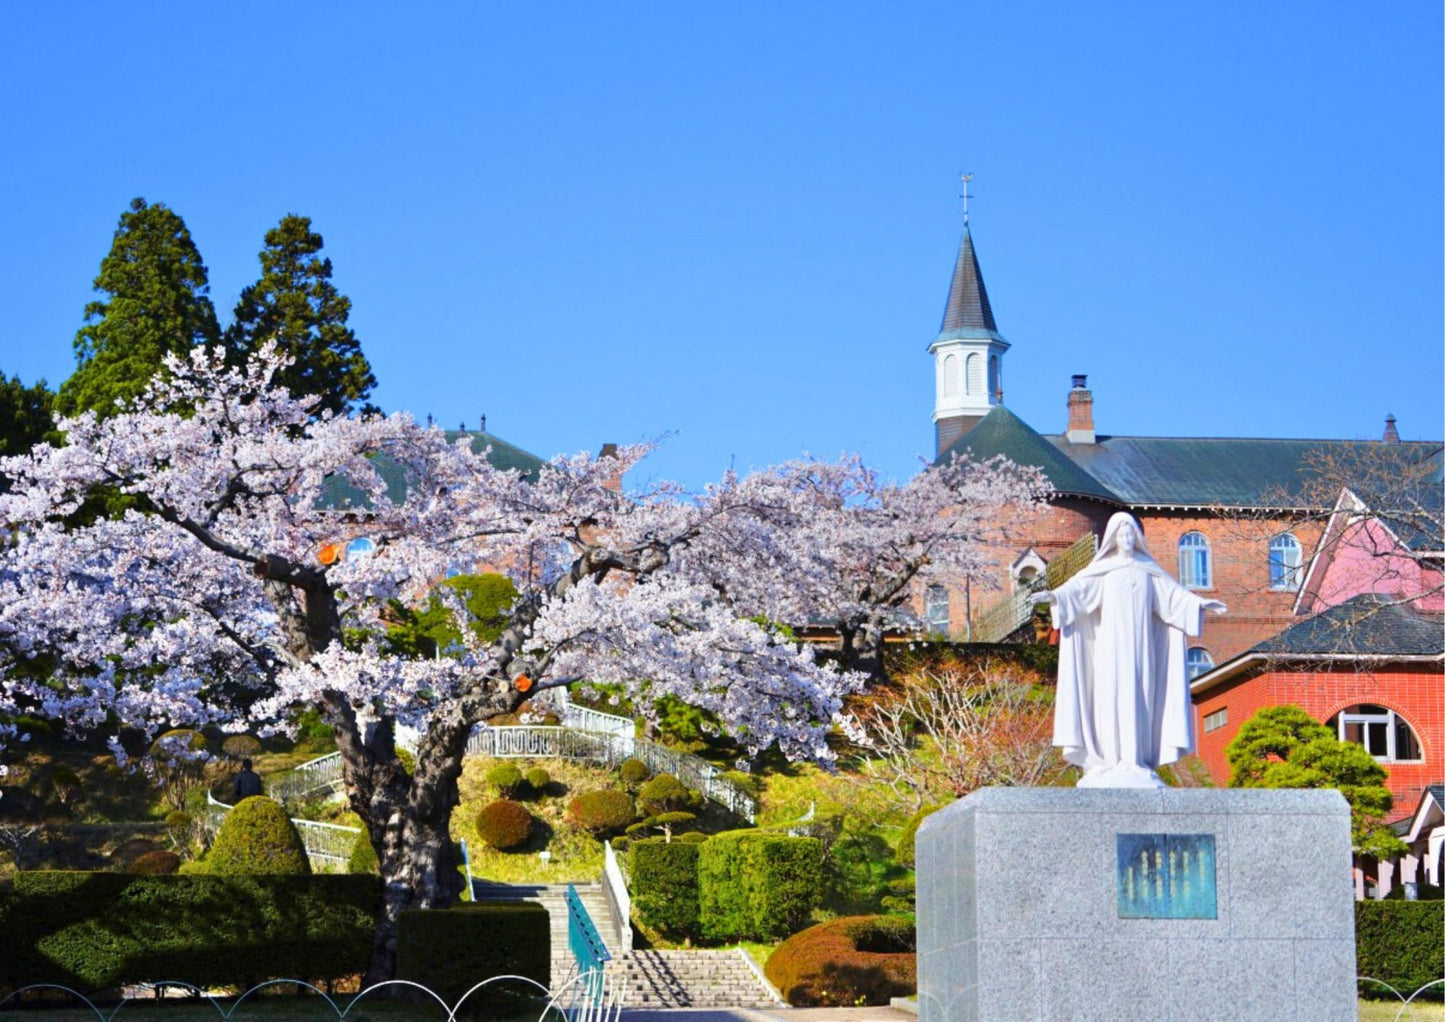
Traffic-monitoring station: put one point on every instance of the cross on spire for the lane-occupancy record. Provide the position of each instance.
(965, 178)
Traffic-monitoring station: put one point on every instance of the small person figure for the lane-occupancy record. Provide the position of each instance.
(1122, 707)
(248, 783)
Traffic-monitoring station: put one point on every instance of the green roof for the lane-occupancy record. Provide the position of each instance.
(338, 494)
(1003, 432)
(1370, 623)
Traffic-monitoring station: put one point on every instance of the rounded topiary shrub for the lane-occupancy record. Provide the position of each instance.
(130, 850)
(633, 772)
(363, 856)
(538, 779)
(155, 864)
(666, 794)
(241, 746)
(506, 778)
(504, 824)
(854, 960)
(257, 837)
(603, 812)
(903, 851)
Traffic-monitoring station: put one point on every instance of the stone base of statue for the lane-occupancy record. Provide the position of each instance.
(1068, 905)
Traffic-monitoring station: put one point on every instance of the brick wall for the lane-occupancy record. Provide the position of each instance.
(1415, 692)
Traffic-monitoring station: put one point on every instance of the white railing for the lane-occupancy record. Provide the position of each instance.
(614, 886)
(586, 719)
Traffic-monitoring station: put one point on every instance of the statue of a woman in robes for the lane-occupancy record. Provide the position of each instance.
(1122, 708)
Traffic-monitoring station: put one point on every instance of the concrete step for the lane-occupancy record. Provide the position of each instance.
(688, 979)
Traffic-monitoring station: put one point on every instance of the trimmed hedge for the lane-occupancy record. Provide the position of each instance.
(450, 950)
(850, 961)
(257, 837)
(97, 930)
(664, 885)
(603, 812)
(754, 885)
(363, 855)
(1401, 943)
(504, 824)
(904, 851)
(633, 772)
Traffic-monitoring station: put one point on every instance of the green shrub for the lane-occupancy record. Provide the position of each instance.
(98, 930)
(504, 824)
(696, 837)
(178, 819)
(155, 864)
(363, 856)
(506, 778)
(633, 772)
(538, 779)
(603, 812)
(131, 849)
(258, 837)
(849, 961)
(753, 885)
(450, 950)
(1401, 943)
(905, 850)
(664, 885)
(241, 746)
(666, 794)
(664, 822)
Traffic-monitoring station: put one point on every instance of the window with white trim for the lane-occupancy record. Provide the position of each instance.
(1196, 570)
(935, 608)
(1384, 733)
(973, 374)
(950, 375)
(1284, 562)
(1196, 661)
(1216, 720)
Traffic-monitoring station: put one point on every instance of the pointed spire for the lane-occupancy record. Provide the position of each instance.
(968, 313)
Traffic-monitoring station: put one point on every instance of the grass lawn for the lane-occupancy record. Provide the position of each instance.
(1389, 1011)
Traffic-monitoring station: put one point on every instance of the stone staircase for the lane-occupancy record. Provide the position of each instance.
(688, 979)
(553, 897)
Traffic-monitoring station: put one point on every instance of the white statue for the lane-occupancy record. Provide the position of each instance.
(1122, 708)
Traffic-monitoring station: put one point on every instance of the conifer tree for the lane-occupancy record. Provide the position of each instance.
(296, 305)
(25, 417)
(155, 303)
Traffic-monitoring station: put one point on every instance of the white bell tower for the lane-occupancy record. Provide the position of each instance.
(968, 352)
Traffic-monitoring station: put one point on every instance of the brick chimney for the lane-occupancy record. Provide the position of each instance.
(1392, 435)
(1081, 412)
(614, 481)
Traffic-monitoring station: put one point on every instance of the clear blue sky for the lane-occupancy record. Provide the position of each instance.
(736, 222)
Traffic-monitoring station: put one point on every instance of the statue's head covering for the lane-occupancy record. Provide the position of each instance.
(1110, 555)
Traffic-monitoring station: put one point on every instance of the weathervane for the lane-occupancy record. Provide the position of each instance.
(965, 178)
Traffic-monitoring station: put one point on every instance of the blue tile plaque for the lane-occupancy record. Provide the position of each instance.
(1166, 876)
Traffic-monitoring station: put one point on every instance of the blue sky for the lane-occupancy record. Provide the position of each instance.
(735, 223)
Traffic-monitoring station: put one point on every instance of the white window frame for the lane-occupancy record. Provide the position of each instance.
(1197, 653)
(935, 597)
(1290, 562)
(1389, 719)
(1196, 561)
(1216, 720)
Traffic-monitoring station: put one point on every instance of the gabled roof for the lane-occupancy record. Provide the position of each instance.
(1003, 432)
(338, 494)
(967, 313)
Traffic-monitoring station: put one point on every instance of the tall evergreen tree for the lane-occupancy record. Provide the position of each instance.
(156, 302)
(25, 417)
(296, 305)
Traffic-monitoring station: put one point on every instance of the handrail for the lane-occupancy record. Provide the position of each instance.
(614, 885)
(586, 944)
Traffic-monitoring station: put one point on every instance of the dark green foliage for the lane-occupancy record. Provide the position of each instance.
(486, 598)
(664, 822)
(155, 303)
(664, 885)
(844, 962)
(1401, 943)
(603, 812)
(633, 772)
(666, 794)
(451, 950)
(506, 778)
(504, 824)
(857, 870)
(157, 863)
(295, 305)
(241, 746)
(538, 780)
(754, 885)
(905, 850)
(98, 930)
(1284, 747)
(25, 417)
(363, 856)
(257, 837)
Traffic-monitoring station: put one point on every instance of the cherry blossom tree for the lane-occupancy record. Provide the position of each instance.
(205, 602)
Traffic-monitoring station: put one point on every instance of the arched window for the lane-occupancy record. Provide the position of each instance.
(993, 380)
(360, 547)
(950, 375)
(973, 374)
(1382, 731)
(1284, 562)
(1197, 661)
(1195, 569)
(935, 608)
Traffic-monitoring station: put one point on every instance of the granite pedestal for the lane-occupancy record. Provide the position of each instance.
(1058, 904)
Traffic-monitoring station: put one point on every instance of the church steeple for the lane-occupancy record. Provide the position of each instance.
(967, 353)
